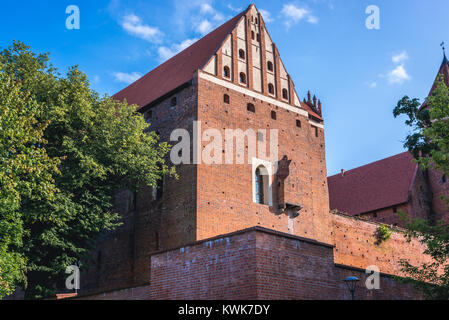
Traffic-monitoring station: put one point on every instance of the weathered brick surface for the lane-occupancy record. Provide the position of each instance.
(439, 190)
(150, 225)
(356, 245)
(254, 264)
(225, 202)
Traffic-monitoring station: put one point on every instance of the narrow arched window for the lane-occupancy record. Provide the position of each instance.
(242, 54)
(285, 94)
(226, 72)
(270, 66)
(270, 88)
(256, 20)
(258, 37)
(252, 35)
(251, 108)
(242, 77)
(226, 99)
(261, 185)
(174, 102)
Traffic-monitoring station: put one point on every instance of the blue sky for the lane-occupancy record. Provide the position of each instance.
(359, 74)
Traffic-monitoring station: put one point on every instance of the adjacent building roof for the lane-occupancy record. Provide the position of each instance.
(375, 186)
(177, 70)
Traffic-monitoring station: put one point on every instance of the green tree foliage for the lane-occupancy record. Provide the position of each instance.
(102, 147)
(26, 174)
(429, 143)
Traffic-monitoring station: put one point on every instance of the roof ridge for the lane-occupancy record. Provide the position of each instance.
(371, 163)
(179, 69)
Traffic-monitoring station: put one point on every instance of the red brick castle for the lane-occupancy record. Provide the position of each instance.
(258, 228)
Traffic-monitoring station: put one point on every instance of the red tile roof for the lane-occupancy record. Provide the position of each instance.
(306, 107)
(178, 70)
(375, 186)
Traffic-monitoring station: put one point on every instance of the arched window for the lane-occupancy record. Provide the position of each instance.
(252, 35)
(242, 54)
(256, 20)
(258, 37)
(250, 107)
(284, 94)
(174, 102)
(270, 88)
(270, 66)
(226, 72)
(226, 99)
(261, 185)
(242, 77)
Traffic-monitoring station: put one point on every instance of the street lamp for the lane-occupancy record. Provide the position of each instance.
(351, 282)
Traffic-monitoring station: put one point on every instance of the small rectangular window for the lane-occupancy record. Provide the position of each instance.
(298, 123)
(273, 115)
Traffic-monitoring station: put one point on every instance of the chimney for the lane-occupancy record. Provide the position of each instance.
(343, 171)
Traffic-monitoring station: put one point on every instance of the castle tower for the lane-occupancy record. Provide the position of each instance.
(233, 78)
(438, 182)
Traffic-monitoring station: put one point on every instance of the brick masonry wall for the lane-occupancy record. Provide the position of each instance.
(225, 201)
(439, 189)
(254, 264)
(123, 256)
(355, 245)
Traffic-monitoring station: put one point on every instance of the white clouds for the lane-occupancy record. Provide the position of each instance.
(134, 26)
(166, 53)
(398, 75)
(206, 8)
(127, 77)
(230, 7)
(204, 27)
(372, 84)
(400, 57)
(266, 15)
(294, 14)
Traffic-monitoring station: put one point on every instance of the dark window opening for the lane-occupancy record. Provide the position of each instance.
(395, 209)
(316, 131)
(273, 115)
(285, 94)
(242, 77)
(242, 54)
(252, 35)
(226, 72)
(270, 66)
(256, 20)
(375, 215)
(159, 189)
(444, 179)
(148, 116)
(298, 123)
(258, 37)
(270, 88)
(174, 101)
(226, 99)
(261, 185)
(251, 108)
